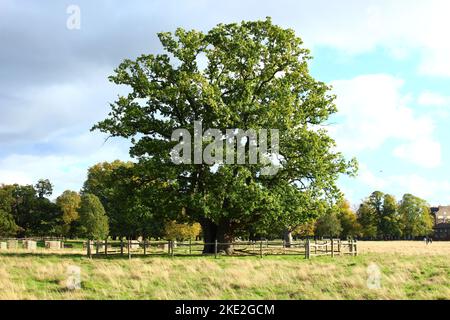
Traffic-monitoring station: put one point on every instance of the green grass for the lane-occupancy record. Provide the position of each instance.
(43, 276)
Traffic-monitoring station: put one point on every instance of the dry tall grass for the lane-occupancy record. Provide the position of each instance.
(405, 247)
(409, 270)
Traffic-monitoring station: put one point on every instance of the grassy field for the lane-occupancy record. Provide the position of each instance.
(409, 270)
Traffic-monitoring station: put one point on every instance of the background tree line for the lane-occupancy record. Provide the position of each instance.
(116, 201)
(380, 216)
(27, 211)
(111, 203)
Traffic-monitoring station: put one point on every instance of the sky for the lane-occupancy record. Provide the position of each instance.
(387, 61)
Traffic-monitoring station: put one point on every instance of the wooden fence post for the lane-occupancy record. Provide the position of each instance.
(190, 246)
(356, 248)
(308, 248)
(332, 247)
(172, 253)
(129, 248)
(339, 247)
(89, 253)
(145, 247)
(97, 247)
(215, 249)
(106, 247)
(121, 246)
(260, 249)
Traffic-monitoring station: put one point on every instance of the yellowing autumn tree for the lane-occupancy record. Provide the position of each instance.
(182, 231)
(69, 203)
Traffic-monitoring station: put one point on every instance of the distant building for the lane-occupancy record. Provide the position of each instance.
(441, 227)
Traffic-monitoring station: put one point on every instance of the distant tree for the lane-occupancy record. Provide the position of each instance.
(132, 200)
(328, 225)
(32, 212)
(141, 203)
(348, 220)
(375, 200)
(93, 219)
(305, 230)
(379, 216)
(69, 204)
(35, 214)
(103, 181)
(44, 188)
(47, 217)
(100, 180)
(415, 216)
(6, 197)
(293, 210)
(23, 209)
(182, 231)
(367, 218)
(8, 226)
(389, 224)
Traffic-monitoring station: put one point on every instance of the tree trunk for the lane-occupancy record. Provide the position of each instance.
(225, 237)
(220, 232)
(209, 230)
(287, 238)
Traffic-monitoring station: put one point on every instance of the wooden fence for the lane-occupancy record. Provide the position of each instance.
(307, 248)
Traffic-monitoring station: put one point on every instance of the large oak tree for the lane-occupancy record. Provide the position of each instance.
(249, 75)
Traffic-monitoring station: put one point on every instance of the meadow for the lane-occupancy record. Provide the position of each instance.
(408, 270)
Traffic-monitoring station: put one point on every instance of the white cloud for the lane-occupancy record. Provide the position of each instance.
(368, 178)
(435, 191)
(12, 177)
(424, 152)
(39, 113)
(437, 105)
(44, 132)
(399, 26)
(433, 99)
(372, 110)
(67, 171)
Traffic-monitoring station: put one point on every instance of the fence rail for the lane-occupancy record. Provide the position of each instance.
(307, 248)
